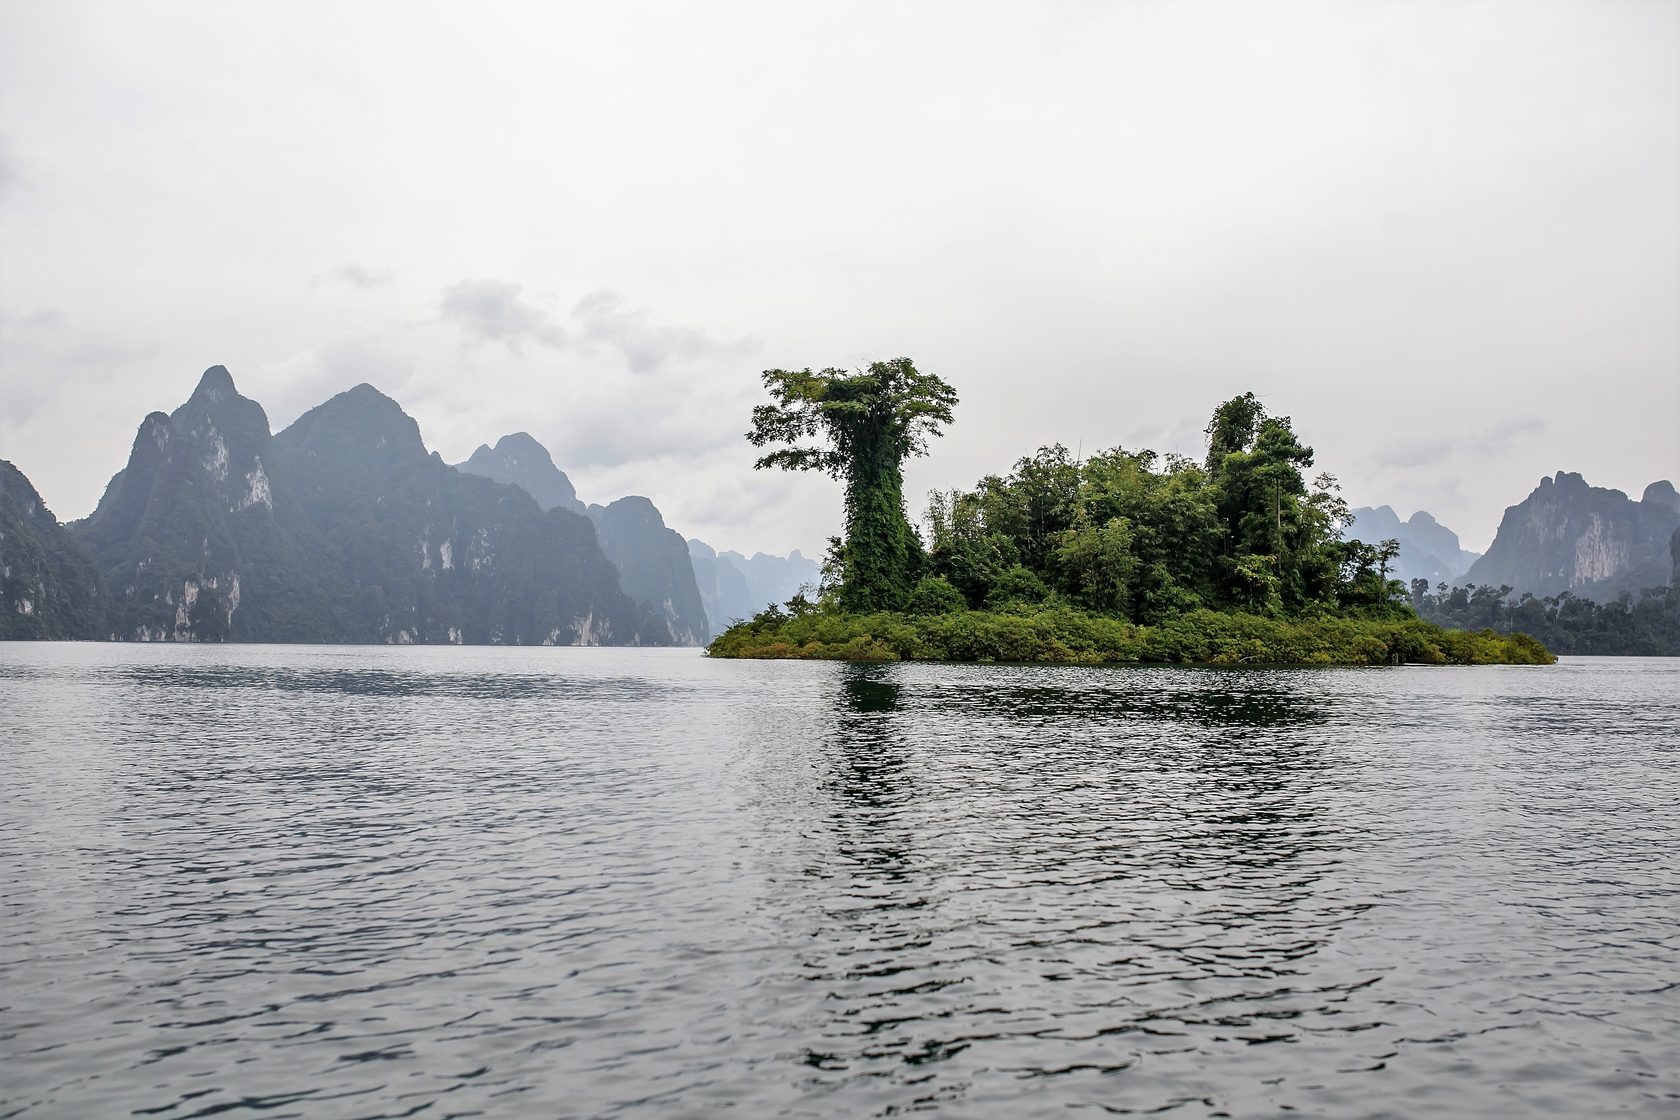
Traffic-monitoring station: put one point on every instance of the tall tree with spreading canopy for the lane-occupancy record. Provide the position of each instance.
(859, 428)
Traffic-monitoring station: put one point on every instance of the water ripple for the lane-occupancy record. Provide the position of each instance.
(376, 883)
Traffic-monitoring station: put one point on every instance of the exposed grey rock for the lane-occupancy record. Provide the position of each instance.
(653, 565)
(1592, 541)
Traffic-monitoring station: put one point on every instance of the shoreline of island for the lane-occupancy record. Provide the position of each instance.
(1067, 636)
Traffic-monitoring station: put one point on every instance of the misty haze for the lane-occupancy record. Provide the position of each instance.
(839, 560)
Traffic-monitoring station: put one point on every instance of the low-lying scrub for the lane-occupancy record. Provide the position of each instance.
(1065, 635)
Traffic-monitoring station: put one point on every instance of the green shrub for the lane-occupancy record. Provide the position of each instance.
(936, 595)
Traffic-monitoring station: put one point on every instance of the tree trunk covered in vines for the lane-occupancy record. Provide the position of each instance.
(881, 557)
(859, 428)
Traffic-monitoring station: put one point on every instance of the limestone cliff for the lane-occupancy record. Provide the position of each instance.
(1592, 541)
(653, 565)
(342, 528)
(48, 586)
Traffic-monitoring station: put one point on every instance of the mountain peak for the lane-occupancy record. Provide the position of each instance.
(1662, 493)
(358, 426)
(523, 443)
(518, 459)
(216, 383)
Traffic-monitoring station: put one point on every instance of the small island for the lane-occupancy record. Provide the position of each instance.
(1124, 556)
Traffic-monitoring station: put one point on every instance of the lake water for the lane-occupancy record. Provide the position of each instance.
(353, 882)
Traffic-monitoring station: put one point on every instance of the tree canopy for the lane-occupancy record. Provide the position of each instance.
(859, 427)
(1124, 556)
(1137, 536)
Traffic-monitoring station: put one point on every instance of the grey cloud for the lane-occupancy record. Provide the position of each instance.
(1501, 435)
(12, 175)
(495, 311)
(614, 432)
(492, 311)
(1493, 440)
(732, 504)
(603, 318)
(1413, 453)
(58, 358)
(360, 276)
(47, 339)
(306, 379)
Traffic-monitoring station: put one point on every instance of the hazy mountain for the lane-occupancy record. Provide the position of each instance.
(651, 559)
(1594, 542)
(724, 592)
(1428, 549)
(735, 587)
(48, 585)
(196, 539)
(519, 460)
(341, 528)
(653, 565)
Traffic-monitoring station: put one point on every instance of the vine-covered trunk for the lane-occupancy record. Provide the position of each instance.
(881, 555)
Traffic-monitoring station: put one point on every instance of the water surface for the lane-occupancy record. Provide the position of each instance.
(355, 882)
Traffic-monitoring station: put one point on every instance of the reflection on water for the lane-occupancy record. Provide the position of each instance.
(360, 882)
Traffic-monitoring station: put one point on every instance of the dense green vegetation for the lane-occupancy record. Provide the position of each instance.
(1124, 556)
(1058, 633)
(866, 424)
(1647, 624)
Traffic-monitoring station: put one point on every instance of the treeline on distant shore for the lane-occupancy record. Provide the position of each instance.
(1647, 624)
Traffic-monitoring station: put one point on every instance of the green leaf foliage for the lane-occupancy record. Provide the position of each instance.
(859, 428)
(1121, 557)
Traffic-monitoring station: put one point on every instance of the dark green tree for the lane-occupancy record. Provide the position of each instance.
(1233, 428)
(859, 428)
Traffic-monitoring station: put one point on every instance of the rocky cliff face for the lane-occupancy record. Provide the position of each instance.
(519, 460)
(1428, 549)
(1594, 542)
(342, 528)
(651, 559)
(196, 539)
(48, 585)
(653, 565)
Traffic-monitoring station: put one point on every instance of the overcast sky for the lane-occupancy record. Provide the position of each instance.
(1444, 237)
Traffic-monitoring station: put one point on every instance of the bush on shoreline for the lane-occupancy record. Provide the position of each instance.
(1064, 635)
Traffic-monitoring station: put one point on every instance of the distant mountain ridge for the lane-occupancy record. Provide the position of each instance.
(1428, 549)
(342, 528)
(651, 559)
(734, 587)
(695, 589)
(1591, 541)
